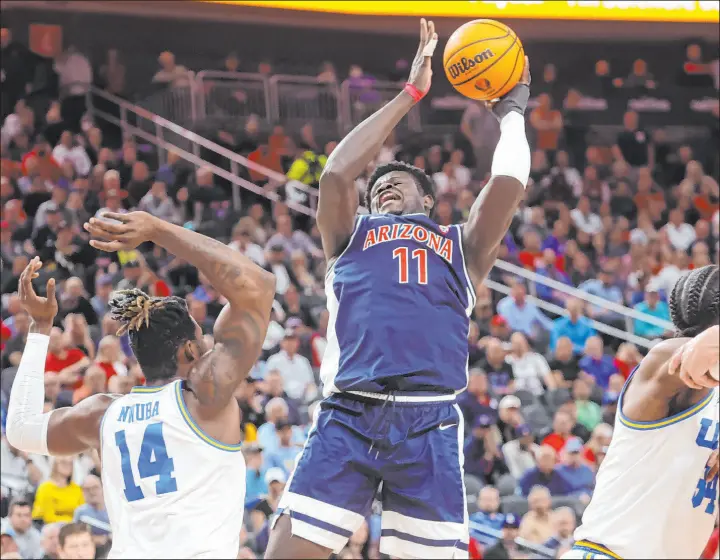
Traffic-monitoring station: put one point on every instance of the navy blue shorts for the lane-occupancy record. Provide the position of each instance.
(412, 451)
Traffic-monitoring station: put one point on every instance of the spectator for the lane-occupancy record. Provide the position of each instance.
(563, 522)
(274, 388)
(579, 475)
(65, 362)
(69, 150)
(480, 127)
(510, 416)
(276, 263)
(171, 74)
(101, 300)
(75, 73)
(242, 240)
(58, 497)
(596, 364)
(547, 123)
(589, 413)
(284, 456)
(19, 527)
(94, 382)
(477, 400)
(633, 144)
(276, 410)
(545, 474)
(93, 512)
(159, 204)
(73, 301)
(499, 372)
(547, 268)
(293, 240)
(264, 510)
(75, 542)
(561, 431)
(296, 371)
(680, 234)
(521, 314)
(599, 440)
(50, 536)
(584, 218)
(575, 327)
(530, 370)
(655, 307)
(488, 519)
(255, 486)
(482, 454)
(520, 453)
(639, 78)
(605, 288)
(506, 547)
(536, 525)
(110, 357)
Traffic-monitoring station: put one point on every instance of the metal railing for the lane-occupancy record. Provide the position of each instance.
(232, 95)
(221, 96)
(163, 129)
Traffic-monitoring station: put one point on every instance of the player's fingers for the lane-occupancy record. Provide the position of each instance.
(51, 289)
(429, 49)
(107, 246)
(124, 218)
(688, 380)
(110, 227)
(525, 77)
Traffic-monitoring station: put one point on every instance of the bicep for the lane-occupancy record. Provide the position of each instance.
(337, 206)
(76, 429)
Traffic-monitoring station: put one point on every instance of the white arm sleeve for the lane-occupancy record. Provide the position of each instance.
(27, 425)
(512, 153)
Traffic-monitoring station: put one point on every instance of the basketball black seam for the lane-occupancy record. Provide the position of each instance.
(480, 41)
(517, 56)
(499, 58)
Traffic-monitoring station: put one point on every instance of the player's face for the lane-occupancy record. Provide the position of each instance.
(397, 193)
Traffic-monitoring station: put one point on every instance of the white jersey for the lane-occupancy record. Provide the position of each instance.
(651, 499)
(171, 491)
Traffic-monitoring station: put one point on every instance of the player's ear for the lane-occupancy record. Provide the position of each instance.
(188, 352)
(428, 203)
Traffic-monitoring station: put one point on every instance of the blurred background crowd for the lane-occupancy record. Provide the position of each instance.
(613, 215)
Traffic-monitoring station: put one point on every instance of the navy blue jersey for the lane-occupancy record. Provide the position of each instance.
(400, 299)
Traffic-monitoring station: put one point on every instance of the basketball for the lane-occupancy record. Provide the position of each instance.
(484, 59)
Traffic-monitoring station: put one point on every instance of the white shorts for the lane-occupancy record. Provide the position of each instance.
(583, 550)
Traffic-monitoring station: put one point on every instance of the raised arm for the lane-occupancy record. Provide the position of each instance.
(240, 328)
(64, 431)
(338, 200)
(492, 212)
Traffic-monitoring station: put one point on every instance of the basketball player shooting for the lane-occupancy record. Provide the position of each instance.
(400, 292)
(172, 471)
(656, 494)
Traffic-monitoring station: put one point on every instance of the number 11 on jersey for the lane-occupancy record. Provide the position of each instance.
(401, 253)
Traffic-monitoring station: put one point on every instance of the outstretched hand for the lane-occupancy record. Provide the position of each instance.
(124, 233)
(421, 70)
(42, 310)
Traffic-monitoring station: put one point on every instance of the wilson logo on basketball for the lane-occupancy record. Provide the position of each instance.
(466, 64)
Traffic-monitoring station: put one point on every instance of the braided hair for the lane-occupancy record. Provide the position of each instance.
(157, 327)
(695, 301)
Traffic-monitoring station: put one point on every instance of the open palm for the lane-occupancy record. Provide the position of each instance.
(41, 309)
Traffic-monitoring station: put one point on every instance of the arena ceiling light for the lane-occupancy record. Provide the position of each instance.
(643, 10)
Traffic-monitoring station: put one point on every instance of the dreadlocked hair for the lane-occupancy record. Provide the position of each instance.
(424, 183)
(695, 301)
(157, 327)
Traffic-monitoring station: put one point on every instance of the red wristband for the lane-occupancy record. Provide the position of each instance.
(414, 92)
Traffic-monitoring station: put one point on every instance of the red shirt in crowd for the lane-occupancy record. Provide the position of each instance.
(556, 441)
(56, 364)
(5, 334)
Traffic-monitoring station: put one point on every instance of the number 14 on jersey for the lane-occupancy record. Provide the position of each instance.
(404, 256)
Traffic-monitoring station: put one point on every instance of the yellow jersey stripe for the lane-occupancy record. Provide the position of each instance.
(585, 545)
(667, 421)
(142, 389)
(195, 428)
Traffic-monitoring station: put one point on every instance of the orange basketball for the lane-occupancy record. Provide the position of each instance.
(484, 59)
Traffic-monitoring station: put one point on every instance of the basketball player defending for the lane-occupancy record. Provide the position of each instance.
(400, 291)
(172, 471)
(657, 489)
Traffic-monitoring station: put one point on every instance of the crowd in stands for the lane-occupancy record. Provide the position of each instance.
(620, 222)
